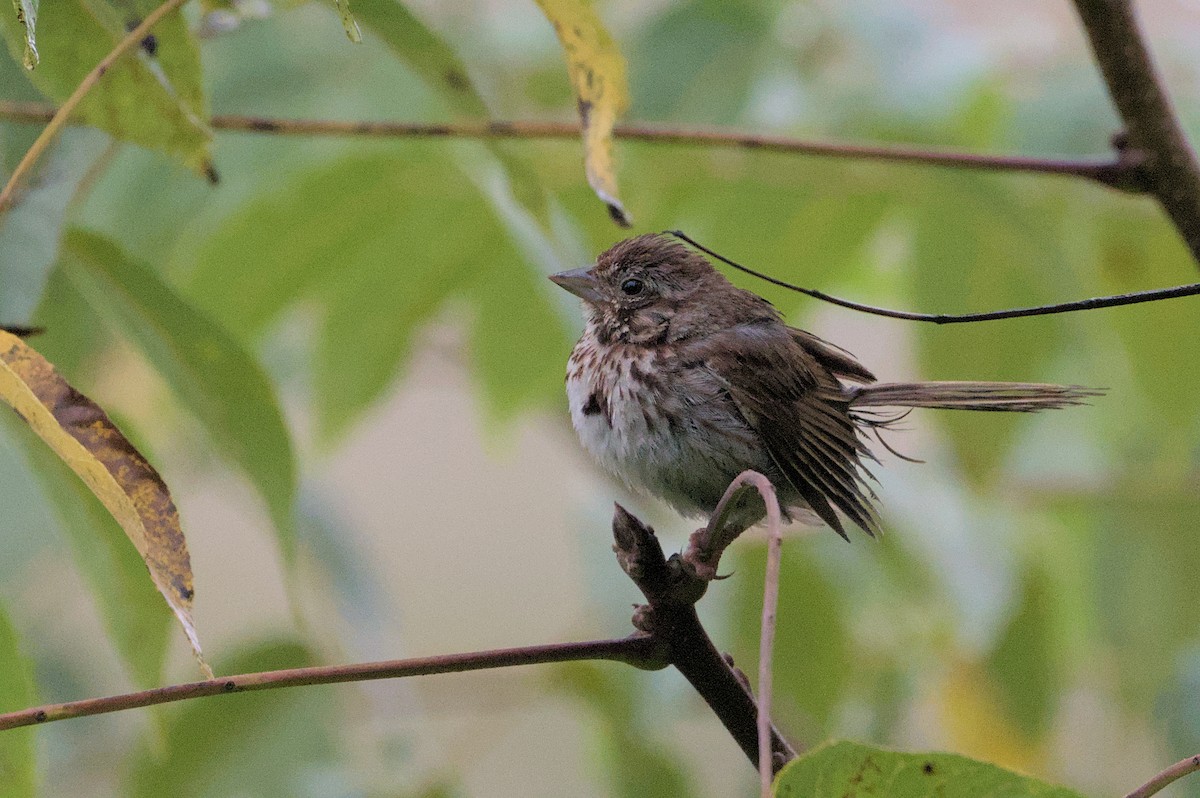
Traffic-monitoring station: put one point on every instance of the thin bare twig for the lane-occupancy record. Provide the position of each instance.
(1093, 303)
(1119, 173)
(638, 650)
(1168, 166)
(1176, 771)
(60, 116)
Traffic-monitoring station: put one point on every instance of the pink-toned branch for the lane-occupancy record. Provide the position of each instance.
(638, 650)
(1115, 172)
(1173, 773)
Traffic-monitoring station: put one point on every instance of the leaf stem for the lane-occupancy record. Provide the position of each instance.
(60, 116)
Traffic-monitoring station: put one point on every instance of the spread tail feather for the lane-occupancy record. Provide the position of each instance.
(1018, 397)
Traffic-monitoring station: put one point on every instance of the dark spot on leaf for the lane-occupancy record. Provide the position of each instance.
(456, 80)
(619, 215)
(150, 44)
(927, 768)
(210, 174)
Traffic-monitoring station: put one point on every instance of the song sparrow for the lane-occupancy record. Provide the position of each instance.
(681, 381)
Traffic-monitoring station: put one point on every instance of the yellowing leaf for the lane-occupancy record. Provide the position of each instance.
(82, 435)
(597, 72)
(977, 723)
(27, 17)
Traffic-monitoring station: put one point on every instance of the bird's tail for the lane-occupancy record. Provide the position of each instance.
(1018, 397)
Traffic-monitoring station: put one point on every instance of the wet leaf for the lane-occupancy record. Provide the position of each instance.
(82, 435)
(27, 17)
(154, 99)
(206, 367)
(597, 72)
(842, 769)
(18, 773)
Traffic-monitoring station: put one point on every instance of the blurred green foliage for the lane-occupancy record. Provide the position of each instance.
(1038, 577)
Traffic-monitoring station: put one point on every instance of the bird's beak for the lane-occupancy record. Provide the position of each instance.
(580, 282)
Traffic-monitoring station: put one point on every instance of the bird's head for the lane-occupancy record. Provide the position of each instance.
(648, 289)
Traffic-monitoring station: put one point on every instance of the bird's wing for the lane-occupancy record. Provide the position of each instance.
(797, 407)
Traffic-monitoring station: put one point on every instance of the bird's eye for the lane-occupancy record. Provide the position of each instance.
(632, 287)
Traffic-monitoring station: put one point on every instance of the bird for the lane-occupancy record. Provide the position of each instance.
(681, 381)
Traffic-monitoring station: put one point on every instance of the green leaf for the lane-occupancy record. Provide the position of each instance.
(424, 52)
(812, 658)
(138, 621)
(31, 230)
(1144, 584)
(156, 100)
(1024, 665)
(376, 301)
(18, 771)
(381, 265)
(844, 769)
(27, 16)
(518, 344)
(269, 744)
(207, 369)
(977, 249)
(282, 244)
(1136, 249)
(635, 762)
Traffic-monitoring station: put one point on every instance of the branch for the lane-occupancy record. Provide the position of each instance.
(58, 119)
(1169, 167)
(671, 588)
(1120, 173)
(640, 651)
(1176, 771)
(1093, 303)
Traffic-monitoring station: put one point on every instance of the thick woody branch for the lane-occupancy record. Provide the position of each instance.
(672, 589)
(638, 650)
(1120, 173)
(1168, 167)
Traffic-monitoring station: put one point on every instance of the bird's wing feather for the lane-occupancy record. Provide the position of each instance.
(797, 407)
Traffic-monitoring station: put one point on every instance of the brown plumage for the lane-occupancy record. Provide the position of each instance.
(682, 380)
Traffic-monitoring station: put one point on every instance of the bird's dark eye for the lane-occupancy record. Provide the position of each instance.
(632, 287)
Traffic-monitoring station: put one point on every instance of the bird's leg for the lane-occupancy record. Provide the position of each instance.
(705, 546)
